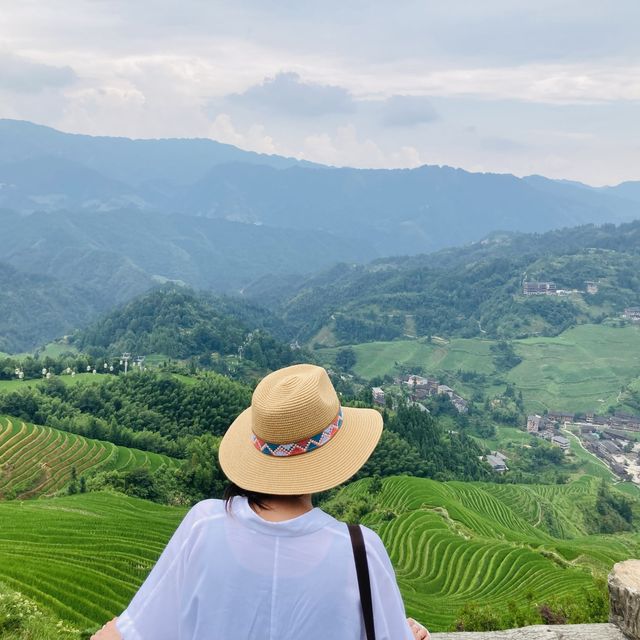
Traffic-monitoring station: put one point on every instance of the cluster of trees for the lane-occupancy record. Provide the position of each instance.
(150, 411)
(504, 356)
(415, 443)
(182, 324)
(199, 477)
(613, 512)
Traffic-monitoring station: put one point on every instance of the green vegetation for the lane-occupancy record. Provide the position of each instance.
(84, 556)
(414, 443)
(583, 369)
(22, 619)
(453, 545)
(473, 291)
(503, 547)
(146, 410)
(61, 457)
(182, 325)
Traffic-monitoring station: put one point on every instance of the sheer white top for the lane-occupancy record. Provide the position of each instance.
(235, 576)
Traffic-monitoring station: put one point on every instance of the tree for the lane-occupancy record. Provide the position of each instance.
(346, 358)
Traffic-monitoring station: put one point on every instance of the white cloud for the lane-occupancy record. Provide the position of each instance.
(398, 94)
(287, 93)
(23, 75)
(346, 148)
(253, 139)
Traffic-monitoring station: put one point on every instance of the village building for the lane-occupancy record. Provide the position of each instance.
(592, 287)
(608, 447)
(535, 423)
(539, 288)
(560, 417)
(632, 313)
(459, 403)
(561, 441)
(421, 388)
(378, 396)
(497, 463)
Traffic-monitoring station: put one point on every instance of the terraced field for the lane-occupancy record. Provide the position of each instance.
(38, 460)
(582, 369)
(455, 543)
(83, 556)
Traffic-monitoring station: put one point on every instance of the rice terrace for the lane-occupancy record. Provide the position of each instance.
(267, 265)
(57, 453)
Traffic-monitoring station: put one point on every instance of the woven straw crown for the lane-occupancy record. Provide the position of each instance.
(292, 407)
(293, 404)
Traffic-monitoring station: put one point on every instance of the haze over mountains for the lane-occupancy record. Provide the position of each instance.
(107, 218)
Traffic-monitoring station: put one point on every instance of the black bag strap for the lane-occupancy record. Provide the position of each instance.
(364, 584)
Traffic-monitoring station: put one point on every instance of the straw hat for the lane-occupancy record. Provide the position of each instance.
(295, 438)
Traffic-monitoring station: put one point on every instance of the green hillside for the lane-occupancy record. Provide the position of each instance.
(83, 556)
(458, 543)
(582, 369)
(38, 460)
(451, 543)
(471, 291)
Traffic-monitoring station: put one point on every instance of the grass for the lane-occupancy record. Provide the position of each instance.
(583, 369)
(38, 460)
(82, 557)
(80, 378)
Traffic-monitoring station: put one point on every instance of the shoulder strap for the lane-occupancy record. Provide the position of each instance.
(364, 584)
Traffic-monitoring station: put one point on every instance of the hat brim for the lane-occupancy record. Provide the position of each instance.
(310, 472)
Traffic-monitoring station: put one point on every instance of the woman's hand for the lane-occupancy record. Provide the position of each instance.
(419, 632)
(108, 632)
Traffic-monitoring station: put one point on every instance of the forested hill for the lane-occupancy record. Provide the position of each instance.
(35, 308)
(177, 322)
(469, 291)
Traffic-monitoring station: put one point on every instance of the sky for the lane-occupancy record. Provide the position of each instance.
(548, 87)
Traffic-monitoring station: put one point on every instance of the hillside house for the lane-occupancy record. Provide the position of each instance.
(609, 447)
(497, 463)
(632, 313)
(560, 417)
(561, 441)
(539, 288)
(378, 396)
(459, 403)
(535, 423)
(592, 287)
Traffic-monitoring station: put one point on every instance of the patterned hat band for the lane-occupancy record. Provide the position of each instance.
(302, 446)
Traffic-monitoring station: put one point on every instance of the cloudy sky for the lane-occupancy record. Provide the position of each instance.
(520, 86)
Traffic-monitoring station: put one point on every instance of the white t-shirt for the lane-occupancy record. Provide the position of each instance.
(238, 577)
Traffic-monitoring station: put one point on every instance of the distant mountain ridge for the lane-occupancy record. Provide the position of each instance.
(109, 218)
(401, 211)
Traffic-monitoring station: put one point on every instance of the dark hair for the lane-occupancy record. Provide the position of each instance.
(254, 498)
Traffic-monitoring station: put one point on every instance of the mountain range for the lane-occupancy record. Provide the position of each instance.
(402, 211)
(105, 219)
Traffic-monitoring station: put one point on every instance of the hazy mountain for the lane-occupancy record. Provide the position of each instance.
(390, 211)
(124, 252)
(399, 211)
(132, 161)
